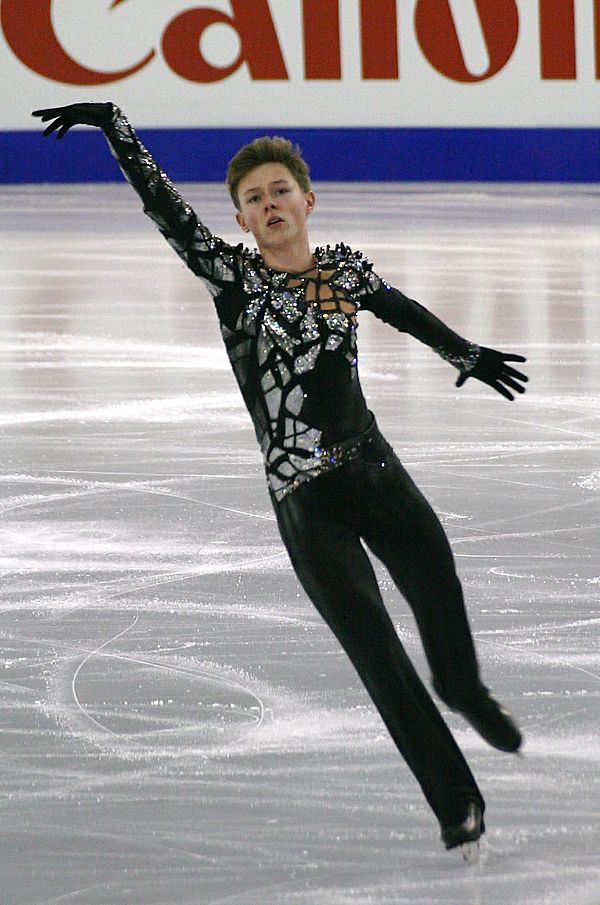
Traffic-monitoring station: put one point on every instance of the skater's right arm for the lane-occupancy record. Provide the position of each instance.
(206, 255)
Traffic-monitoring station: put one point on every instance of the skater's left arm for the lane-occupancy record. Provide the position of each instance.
(471, 360)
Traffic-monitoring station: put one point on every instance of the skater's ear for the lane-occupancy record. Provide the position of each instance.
(241, 220)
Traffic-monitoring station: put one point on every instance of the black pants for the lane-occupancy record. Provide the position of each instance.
(372, 499)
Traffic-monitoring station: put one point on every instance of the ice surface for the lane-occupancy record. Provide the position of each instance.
(178, 726)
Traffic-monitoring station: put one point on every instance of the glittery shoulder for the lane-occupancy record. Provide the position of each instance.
(342, 254)
(354, 268)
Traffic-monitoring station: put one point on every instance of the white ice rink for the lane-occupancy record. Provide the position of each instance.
(178, 726)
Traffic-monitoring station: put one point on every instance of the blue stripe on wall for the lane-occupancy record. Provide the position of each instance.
(336, 154)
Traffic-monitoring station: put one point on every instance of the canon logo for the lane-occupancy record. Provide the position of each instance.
(28, 29)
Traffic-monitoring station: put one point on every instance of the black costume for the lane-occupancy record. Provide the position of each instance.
(291, 338)
(333, 479)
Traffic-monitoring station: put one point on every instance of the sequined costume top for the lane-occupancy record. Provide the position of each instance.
(291, 338)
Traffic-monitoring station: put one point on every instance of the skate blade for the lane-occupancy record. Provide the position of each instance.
(470, 852)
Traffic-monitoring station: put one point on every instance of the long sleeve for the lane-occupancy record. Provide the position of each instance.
(208, 256)
(394, 308)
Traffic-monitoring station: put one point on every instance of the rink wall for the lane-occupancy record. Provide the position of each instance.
(444, 90)
(370, 154)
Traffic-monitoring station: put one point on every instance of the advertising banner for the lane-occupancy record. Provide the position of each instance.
(472, 80)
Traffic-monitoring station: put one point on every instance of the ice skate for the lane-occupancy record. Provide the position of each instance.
(470, 852)
(465, 835)
(493, 723)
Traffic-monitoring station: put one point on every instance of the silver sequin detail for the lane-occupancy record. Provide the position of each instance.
(251, 311)
(333, 342)
(308, 438)
(309, 326)
(464, 363)
(307, 362)
(287, 302)
(348, 280)
(336, 320)
(265, 345)
(279, 333)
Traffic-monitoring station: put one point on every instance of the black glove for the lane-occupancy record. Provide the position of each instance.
(491, 368)
(75, 115)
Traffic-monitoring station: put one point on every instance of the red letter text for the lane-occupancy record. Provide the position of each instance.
(322, 56)
(379, 35)
(557, 39)
(436, 33)
(27, 25)
(253, 23)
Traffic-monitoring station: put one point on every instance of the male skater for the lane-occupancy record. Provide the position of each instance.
(289, 316)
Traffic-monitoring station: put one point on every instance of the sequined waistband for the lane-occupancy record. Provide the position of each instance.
(323, 459)
(347, 450)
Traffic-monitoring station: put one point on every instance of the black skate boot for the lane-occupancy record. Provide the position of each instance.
(466, 832)
(493, 723)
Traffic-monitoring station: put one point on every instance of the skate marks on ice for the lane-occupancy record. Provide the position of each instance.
(148, 736)
(178, 726)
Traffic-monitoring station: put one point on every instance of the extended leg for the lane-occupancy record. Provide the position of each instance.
(405, 533)
(337, 575)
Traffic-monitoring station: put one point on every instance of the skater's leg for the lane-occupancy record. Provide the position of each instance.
(405, 533)
(337, 575)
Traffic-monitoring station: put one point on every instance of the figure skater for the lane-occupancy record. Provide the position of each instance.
(289, 316)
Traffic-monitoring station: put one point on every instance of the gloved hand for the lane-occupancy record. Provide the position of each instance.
(75, 115)
(491, 368)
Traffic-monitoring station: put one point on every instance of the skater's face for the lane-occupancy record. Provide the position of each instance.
(273, 207)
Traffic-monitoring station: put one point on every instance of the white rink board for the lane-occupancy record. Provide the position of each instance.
(97, 35)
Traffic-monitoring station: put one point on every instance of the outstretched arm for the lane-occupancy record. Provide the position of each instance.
(472, 360)
(206, 255)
